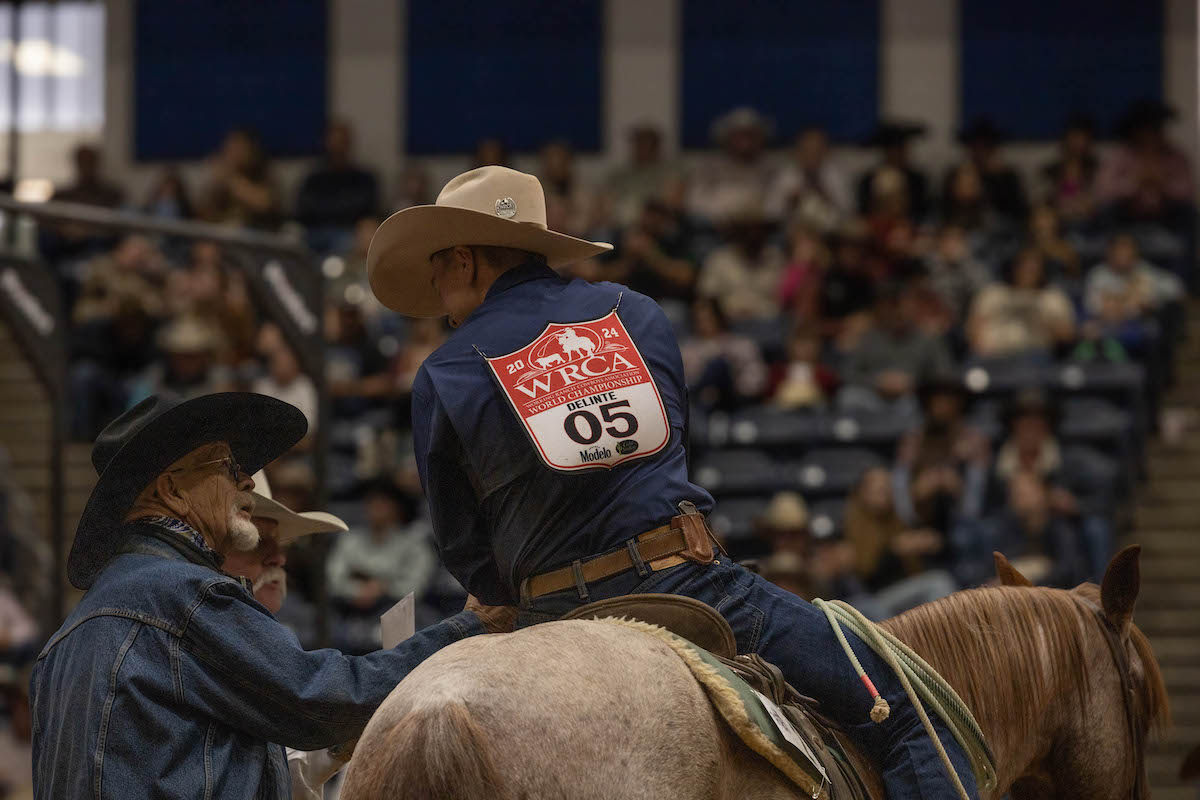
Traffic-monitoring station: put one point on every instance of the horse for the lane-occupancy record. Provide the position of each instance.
(571, 342)
(584, 709)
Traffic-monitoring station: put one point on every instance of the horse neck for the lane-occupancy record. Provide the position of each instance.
(1005, 657)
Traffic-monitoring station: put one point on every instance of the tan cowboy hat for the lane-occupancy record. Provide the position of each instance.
(292, 525)
(494, 206)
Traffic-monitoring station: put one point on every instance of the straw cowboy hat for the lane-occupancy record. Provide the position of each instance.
(292, 525)
(494, 206)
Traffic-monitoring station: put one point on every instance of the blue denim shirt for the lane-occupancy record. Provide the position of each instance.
(168, 680)
(499, 512)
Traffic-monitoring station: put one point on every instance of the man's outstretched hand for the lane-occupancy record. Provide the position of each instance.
(497, 619)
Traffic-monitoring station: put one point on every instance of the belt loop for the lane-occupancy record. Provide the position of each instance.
(580, 583)
(635, 556)
(526, 600)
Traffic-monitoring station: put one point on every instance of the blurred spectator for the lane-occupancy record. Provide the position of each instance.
(1003, 192)
(208, 290)
(285, 381)
(107, 354)
(1147, 178)
(738, 176)
(783, 526)
(355, 368)
(346, 272)
(1062, 260)
(1072, 176)
(135, 268)
(802, 381)
(942, 465)
(812, 190)
(570, 202)
(653, 256)
(964, 204)
(241, 190)
(337, 193)
(743, 275)
(633, 185)
(414, 189)
(893, 358)
(1023, 314)
(846, 295)
(1030, 445)
(371, 569)
(800, 286)
(190, 368)
(1124, 286)
(88, 185)
(169, 197)
(722, 369)
(1037, 540)
(65, 239)
(900, 565)
(490, 152)
(954, 274)
(894, 176)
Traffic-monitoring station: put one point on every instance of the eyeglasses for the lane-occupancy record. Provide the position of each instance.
(235, 469)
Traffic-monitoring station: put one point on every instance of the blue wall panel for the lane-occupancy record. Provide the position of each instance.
(202, 67)
(524, 72)
(799, 61)
(1029, 63)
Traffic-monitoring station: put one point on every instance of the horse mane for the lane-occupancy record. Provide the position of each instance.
(963, 635)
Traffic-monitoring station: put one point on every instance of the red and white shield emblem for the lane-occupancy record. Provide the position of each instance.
(585, 395)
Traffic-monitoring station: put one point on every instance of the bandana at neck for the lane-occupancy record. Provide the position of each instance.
(180, 527)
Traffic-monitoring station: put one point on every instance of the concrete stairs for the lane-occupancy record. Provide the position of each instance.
(1167, 525)
(26, 434)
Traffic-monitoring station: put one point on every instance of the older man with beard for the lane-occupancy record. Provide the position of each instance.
(168, 679)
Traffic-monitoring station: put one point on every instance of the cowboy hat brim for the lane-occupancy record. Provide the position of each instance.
(292, 524)
(398, 267)
(257, 428)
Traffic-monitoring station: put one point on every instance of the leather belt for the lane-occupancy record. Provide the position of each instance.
(685, 538)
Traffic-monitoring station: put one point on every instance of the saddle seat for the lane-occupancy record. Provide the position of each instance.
(685, 617)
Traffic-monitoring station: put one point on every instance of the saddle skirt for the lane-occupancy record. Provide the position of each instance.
(750, 693)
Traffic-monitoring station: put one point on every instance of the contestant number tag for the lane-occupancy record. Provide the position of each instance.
(585, 395)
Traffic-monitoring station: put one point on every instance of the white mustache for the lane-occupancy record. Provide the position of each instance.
(270, 575)
(243, 500)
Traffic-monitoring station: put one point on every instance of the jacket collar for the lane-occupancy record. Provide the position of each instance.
(180, 545)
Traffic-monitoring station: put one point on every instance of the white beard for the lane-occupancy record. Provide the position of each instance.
(242, 533)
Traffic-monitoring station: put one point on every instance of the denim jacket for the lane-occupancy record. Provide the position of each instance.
(169, 680)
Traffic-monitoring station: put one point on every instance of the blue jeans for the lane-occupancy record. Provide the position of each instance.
(795, 636)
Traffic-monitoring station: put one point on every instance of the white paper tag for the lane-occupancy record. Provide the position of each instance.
(397, 623)
(789, 732)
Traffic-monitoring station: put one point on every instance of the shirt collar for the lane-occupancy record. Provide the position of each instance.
(522, 273)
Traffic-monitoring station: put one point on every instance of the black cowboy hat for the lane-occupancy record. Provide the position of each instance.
(982, 129)
(1144, 113)
(890, 133)
(139, 445)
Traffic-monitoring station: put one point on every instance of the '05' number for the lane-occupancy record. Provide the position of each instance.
(571, 423)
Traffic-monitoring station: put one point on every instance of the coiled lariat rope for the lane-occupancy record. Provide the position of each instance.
(929, 686)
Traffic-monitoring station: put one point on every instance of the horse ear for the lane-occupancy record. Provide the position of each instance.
(1119, 591)
(1007, 573)
(1190, 770)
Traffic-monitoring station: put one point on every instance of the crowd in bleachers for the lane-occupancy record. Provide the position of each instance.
(891, 375)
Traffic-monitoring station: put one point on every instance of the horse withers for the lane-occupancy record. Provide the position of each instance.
(586, 710)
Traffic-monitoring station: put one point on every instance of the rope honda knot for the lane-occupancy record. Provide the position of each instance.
(880, 711)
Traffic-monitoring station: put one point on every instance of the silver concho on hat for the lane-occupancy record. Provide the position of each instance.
(506, 208)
